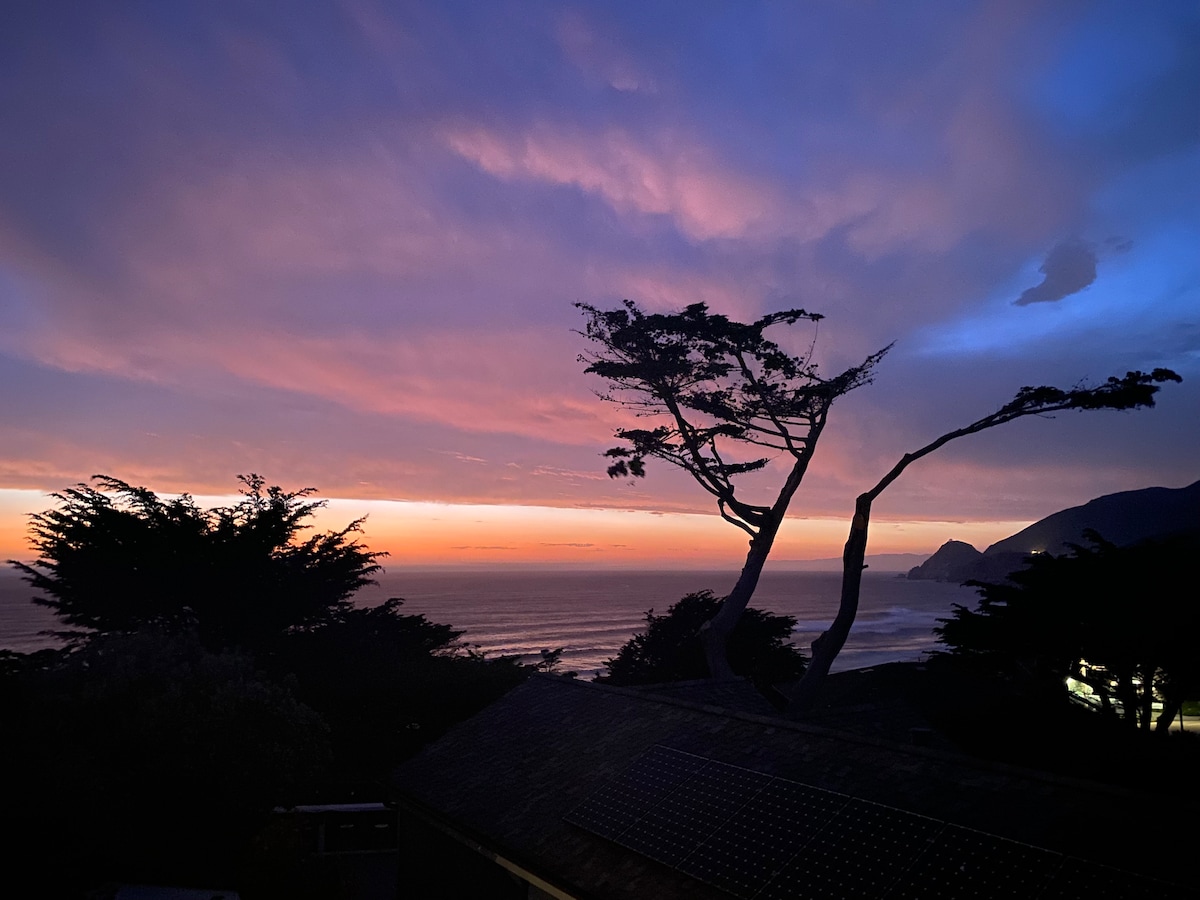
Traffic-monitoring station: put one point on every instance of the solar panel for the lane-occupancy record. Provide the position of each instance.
(1079, 880)
(618, 805)
(752, 845)
(765, 838)
(862, 849)
(688, 815)
(962, 862)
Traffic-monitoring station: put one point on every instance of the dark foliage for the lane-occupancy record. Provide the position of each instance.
(1121, 620)
(972, 710)
(387, 683)
(146, 757)
(218, 669)
(670, 649)
(117, 558)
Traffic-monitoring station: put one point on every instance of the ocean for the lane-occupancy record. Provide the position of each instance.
(590, 614)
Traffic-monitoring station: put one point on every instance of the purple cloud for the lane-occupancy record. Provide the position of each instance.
(318, 248)
(1068, 269)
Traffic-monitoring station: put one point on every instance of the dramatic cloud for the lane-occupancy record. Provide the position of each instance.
(1069, 268)
(669, 175)
(342, 249)
(456, 379)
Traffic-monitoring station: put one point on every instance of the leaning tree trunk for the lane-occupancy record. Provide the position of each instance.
(830, 642)
(714, 635)
(827, 646)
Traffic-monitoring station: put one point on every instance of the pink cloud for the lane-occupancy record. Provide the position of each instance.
(302, 218)
(255, 242)
(988, 179)
(902, 210)
(669, 175)
(33, 458)
(506, 383)
(598, 54)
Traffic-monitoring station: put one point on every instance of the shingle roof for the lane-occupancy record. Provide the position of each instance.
(508, 777)
(734, 694)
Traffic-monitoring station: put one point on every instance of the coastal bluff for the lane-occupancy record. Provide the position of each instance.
(1124, 518)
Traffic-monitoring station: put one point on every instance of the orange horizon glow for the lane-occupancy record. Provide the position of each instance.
(451, 535)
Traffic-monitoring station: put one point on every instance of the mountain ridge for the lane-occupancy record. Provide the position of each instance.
(1123, 518)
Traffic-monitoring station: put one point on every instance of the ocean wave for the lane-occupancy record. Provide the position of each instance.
(591, 614)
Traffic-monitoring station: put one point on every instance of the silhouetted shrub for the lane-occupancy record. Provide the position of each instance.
(670, 650)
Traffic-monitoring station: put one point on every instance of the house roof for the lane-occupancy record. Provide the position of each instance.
(516, 777)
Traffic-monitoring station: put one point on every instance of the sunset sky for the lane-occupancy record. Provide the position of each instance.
(338, 244)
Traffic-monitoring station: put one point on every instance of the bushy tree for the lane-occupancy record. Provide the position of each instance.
(1121, 620)
(669, 649)
(118, 558)
(217, 667)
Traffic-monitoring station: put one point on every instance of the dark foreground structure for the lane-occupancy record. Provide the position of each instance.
(569, 789)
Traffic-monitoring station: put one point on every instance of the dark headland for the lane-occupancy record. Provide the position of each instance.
(1124, 519)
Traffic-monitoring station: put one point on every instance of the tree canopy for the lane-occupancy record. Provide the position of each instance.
(669, 648)
(722, 393)
(118, 558)
(718, 383)
(1118, 620)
